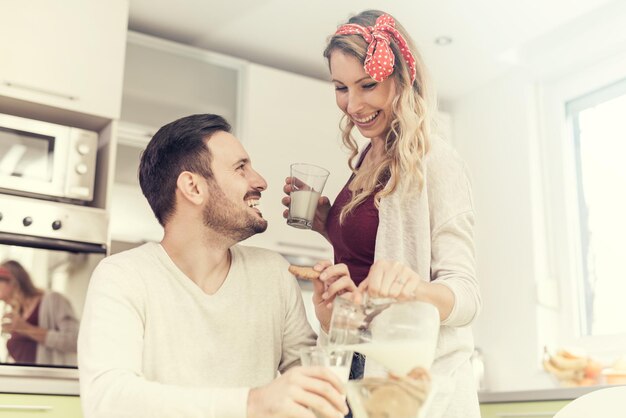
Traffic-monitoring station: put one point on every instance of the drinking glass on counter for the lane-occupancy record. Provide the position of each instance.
(400, 336)
(307, 183)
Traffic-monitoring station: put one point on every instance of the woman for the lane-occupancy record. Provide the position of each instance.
(403, 224)
(42, 326)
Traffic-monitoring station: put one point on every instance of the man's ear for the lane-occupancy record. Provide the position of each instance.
(189, 187)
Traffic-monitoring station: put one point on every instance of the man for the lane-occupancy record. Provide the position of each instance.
(198, 326)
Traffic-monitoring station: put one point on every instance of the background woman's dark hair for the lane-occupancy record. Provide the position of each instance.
(176, 147)
(24, 282)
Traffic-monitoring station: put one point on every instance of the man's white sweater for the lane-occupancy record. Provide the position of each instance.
(153, 344)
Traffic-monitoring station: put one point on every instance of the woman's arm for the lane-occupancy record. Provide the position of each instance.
(16, 324)
(453, 268)
(57, 315)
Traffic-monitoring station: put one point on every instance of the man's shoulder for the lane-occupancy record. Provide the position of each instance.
(259, 254)
(262, 262)
(134, 254)
(128, 272)
(138, 258)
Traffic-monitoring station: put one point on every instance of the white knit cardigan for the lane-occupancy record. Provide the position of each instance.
(432, 232)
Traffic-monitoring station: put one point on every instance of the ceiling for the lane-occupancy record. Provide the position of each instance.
(489, 36)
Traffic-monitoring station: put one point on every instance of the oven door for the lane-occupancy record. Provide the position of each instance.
(62, 272)
(33, 157)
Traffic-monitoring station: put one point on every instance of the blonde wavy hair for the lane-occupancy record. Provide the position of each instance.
(408, 138)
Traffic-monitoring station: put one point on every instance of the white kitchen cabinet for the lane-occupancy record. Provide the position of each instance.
(65, 54)
(163, 81)
(132, 219)
(290, 118)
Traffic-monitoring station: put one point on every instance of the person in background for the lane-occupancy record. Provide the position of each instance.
(402, 226)
(196, 325)
(42, 325)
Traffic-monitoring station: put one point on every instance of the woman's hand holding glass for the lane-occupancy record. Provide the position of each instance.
(11, 320)
(8, 318)
(321, 213)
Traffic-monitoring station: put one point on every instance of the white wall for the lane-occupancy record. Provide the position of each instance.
(493, 131)
(502, 130)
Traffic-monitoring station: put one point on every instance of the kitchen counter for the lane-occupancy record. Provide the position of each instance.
(38, 380)
(548, 394)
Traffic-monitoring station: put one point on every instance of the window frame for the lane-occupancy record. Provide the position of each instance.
(560, 301)
(573, 109)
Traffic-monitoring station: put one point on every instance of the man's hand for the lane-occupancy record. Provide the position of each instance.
(297, 393)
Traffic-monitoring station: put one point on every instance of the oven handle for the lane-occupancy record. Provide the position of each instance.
(51, 243)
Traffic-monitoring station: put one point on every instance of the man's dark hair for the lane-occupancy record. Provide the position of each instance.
(176, 147)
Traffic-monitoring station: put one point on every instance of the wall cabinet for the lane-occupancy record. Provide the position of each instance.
(545, 409)
(35, 406)
(66, 55)
(132, 219)
(289, 118)
(163, 81)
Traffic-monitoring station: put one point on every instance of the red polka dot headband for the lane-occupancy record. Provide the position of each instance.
(5, 272)
(379, 59)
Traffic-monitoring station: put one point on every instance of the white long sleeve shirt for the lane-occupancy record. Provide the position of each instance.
(153, 344)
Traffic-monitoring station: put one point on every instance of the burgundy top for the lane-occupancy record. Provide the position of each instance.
(22, 348)
(355, 240)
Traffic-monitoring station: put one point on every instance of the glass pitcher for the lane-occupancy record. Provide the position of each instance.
(401, 336)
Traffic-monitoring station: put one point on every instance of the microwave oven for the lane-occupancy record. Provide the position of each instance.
(46, 160)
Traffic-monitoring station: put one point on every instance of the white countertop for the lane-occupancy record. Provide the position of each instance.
(62, 381)
(39, 380)
(554, 394)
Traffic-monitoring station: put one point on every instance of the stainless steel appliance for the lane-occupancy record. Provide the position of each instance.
(46, 160)
(60, 245)
(52, 225)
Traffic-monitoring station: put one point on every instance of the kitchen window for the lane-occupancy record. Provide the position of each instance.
(598, 139)
(579, 215)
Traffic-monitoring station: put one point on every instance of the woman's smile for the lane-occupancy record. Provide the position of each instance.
(367, 121)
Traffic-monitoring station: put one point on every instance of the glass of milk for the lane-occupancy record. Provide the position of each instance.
(307, 183)
(336, 359)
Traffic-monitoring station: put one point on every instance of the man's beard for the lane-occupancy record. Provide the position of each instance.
(224, 217)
